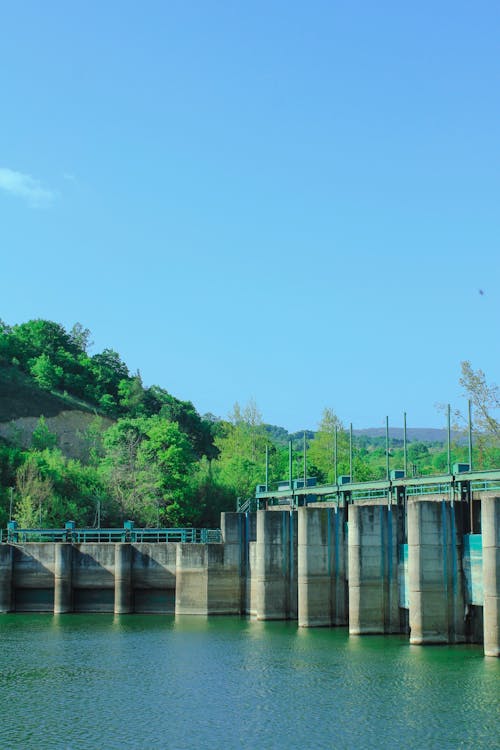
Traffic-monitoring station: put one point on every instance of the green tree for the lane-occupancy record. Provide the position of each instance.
(321, 449)
(242, 444)
(80, 337)
(34, 493)
(42, 437)
(131, 395)
(46, 374)
(485, 398)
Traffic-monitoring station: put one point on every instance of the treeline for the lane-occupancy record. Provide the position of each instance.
(161, 462)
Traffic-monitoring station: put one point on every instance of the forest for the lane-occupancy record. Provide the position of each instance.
(153, 458)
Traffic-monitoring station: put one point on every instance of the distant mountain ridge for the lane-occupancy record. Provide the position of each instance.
(423, 434)
(413, 434)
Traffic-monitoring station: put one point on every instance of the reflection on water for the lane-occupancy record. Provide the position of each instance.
(103, 681)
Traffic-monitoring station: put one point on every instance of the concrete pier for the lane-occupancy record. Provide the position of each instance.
(208, 579)
(373, 569)
(435, 579)
(322, 587)
(6, 558)
(307, 564)
(275, 587)
(490, 525)
(250, 537)
(123, 579)
(63, 569)
(251, 585)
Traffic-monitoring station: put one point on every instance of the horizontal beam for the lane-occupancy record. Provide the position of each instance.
(388, 485)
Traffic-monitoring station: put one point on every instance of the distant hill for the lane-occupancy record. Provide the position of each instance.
(422, 434)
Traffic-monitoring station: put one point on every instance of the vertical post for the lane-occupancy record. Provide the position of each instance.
(351, 478)
(267, 468)
(11, 502)
(405, 453)
(305, 469)
(387, 448)
(290, 467)
(449, 440)
(335, 457)
(470, 435)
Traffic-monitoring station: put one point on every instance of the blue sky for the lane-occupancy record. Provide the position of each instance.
(292, 202)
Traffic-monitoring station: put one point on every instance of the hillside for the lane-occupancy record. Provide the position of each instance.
(20, 396)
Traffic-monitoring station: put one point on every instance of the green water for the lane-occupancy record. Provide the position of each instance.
(98, 681)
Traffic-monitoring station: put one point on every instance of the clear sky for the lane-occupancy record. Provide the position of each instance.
(286, 201)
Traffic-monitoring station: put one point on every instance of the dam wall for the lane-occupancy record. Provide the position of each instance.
(379, 568)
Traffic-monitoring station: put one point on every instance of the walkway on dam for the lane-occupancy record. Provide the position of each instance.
(461, 484)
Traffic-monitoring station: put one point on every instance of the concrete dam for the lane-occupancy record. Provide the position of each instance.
(428, 567)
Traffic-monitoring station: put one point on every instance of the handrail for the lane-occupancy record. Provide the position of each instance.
(488, 480)
(113, 535)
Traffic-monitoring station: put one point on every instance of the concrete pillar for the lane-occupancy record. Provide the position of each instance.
(373, 566)
(250, 526)
(490, 528)
(233, 537)
(293, 567)
(191, 579)
(274, 549)
(208, 579)
(63, 573)
(123, 578)
(322, 589)
(6, 560)
(435, 577)
(251, 588)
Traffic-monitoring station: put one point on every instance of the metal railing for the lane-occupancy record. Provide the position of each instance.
(450, 484)
(88, 536)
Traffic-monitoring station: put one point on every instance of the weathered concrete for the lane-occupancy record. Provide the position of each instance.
(63, 574)
(94, 577)
(33, 577)
(233, 530)
(276, 566)
(490, 525)
(250, 562)
(123, 579)
(208, 579)
(435, 577)
(322, 586)
(251, 587)
(373, 569)
(153, 577)
(6, 557)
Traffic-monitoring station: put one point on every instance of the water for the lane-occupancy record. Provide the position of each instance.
(98, 681)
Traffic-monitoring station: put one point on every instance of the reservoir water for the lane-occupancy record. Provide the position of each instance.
(153, 682)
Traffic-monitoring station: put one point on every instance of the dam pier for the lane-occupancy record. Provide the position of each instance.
(421, 560)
